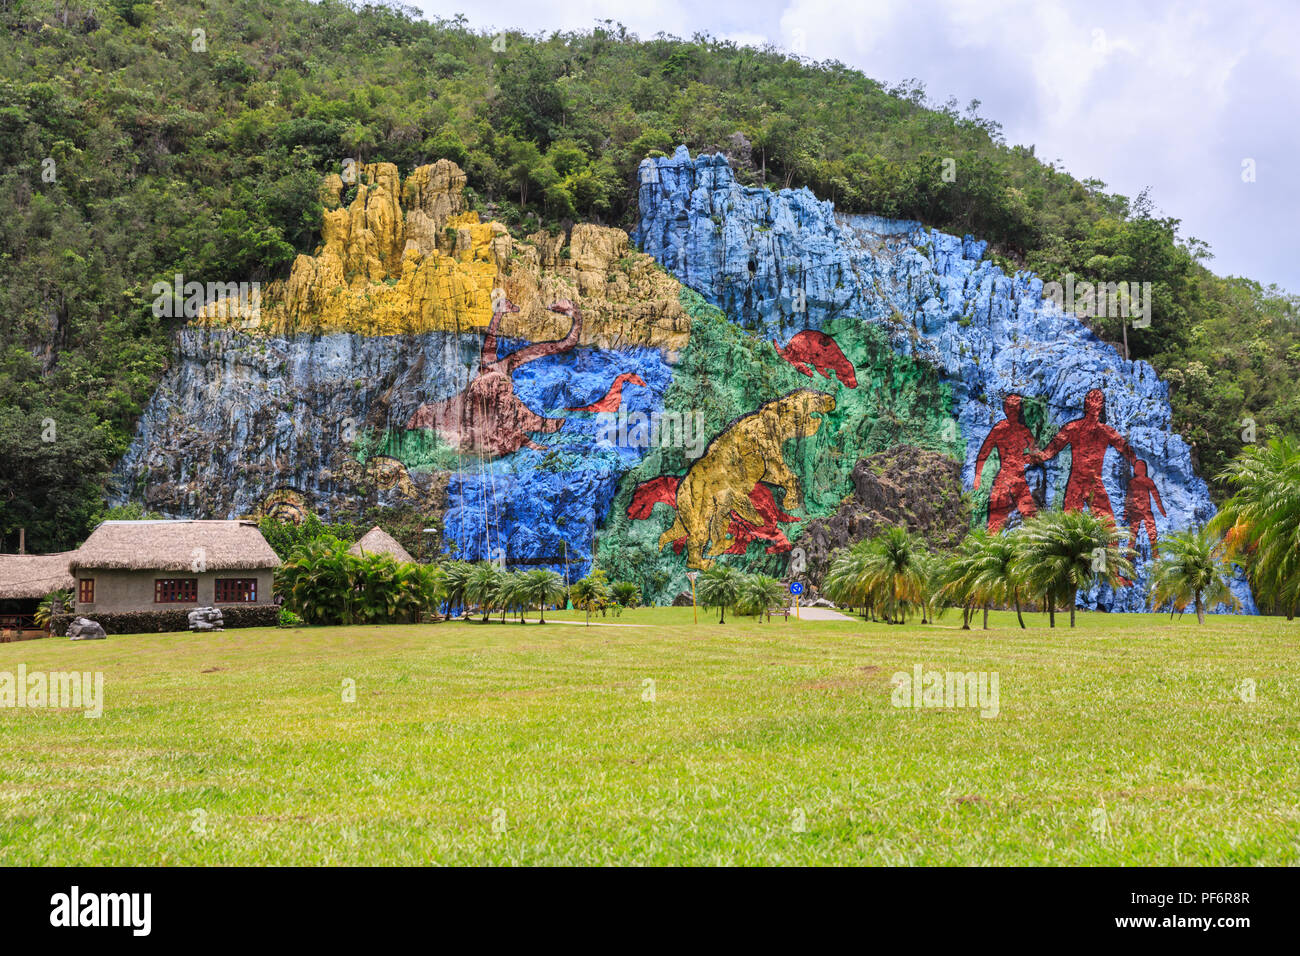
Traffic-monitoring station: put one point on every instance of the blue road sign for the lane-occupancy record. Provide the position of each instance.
(796, 588)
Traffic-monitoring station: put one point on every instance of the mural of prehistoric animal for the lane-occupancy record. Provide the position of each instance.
(719, 485)
(663, 490)
(1016, 449)
(487, 418)
(1088, 437)
(1137, 507)
(614, 397)
(810, 350)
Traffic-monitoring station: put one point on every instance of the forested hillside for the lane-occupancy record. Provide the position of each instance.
(140, 141)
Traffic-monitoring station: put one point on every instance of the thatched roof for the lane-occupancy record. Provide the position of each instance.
(174, 546)
(379, 541)
(27, 576)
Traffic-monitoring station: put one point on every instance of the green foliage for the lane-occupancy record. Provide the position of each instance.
(592, 593)
(759, 593)
(1262, 520)
(1063, 552)
(166, 161)
(54, 603)
(285, 537)
(324, 584)
(288, 618)
(720, 587)
(1192, 569)
(889, 574)
(626, 593)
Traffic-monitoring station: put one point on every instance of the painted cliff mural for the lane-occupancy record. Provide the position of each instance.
(721, 387)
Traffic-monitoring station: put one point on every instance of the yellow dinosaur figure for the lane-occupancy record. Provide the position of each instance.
(746, 452)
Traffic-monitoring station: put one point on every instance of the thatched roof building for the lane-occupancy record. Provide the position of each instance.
(379, 541)
(174, 546)
(27, 577)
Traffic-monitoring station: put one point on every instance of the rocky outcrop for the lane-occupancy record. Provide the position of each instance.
(84, 629)
(906, 486)
(784, 261)
(206, 619)
(407, 257)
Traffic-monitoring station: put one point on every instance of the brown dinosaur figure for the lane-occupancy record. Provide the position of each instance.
(487, 418)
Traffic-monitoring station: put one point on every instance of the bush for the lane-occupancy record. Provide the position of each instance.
(171, 619)
(288, 618)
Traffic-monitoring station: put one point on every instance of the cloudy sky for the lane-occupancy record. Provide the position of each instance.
(1178, 96)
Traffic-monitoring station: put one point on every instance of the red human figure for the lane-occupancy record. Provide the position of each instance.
(1088, 437)
(1137, 507)
(1016, 449)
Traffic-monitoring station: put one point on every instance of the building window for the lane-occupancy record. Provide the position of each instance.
(86, 591)
(236, 590)
(175, 590)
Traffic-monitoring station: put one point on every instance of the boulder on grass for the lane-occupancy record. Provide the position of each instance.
(206, 619)
(683, 600)
(84, 629)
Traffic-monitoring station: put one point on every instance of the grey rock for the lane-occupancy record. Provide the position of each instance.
(84, 629)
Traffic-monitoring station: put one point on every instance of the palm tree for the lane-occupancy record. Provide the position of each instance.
(455, 580)
(318, 582)
(1262, 519)
(894, 573)
(990, 570)
(626, 593)
(1063, 551)
(542, 587)
(933, 568)
(510, 595)
(1193, 569)
(481, 586)
(844, 577)
(759, 593)
(591, 593)
(960, 571)
(720, 587)
(55, 603)
(421, 588)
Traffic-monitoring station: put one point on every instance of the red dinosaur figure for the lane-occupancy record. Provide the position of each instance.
(1016, 448)
(1137, 507)
(614, 397)
(663, 490)
(487, 418)
(811, 349)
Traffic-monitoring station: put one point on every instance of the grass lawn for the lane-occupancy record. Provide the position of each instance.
(1124, 741)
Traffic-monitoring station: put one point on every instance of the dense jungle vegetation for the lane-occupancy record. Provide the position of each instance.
(140, 140)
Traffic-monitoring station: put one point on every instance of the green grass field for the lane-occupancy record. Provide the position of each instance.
(1125, 741)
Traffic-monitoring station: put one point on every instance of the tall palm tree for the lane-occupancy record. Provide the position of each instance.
(759, 593)
(894, 573)
(1193, 569)
(543, 587)
(960, 571)
(481, 586)
(1061, 552)
(318, 582)
(1262, 519)
(844, 581)
(590, 593)
(993, 571)
(511, 595)
(720, 587)
(455, 580)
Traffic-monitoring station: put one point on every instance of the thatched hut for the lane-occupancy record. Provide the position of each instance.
(155, 565)
(379, 541)
(25, 581)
